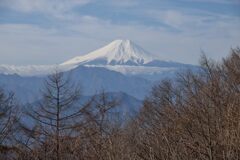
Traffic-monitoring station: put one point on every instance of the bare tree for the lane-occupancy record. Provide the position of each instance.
(56, 114)
(195, 116)
(8, 121)
(92, 143)
(66, 127)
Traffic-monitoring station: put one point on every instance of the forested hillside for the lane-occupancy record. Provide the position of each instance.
(195, 116)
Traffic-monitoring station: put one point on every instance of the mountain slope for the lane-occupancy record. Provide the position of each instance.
(121, 52)
(122, 68)
(122, 56)
(91, 80)
(126, 105)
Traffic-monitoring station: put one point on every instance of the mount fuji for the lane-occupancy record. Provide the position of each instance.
(128, 58)
(118, 52)
(120, 67)
(122, 56)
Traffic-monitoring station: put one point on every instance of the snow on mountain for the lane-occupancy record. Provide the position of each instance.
(33, 70)
(119, 52)
(121, 66)
(126, 57)
(135, 70)
(25, 70)
(122, 56)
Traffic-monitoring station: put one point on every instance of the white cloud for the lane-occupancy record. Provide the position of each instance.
(122, 3)
(216, 1)
(195, 21)
(55, 8)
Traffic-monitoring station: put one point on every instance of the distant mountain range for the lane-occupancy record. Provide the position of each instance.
(120, 67)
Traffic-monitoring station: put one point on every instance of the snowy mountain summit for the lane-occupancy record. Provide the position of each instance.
(118, 52)
(122, 56)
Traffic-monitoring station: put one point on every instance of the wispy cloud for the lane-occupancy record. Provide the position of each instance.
(215, 1)
(56, 8)
(122, 3)
(193, 20)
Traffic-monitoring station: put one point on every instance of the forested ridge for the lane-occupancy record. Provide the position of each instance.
(195, 116)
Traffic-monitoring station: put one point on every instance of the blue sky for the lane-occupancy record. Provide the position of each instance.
(52, 31)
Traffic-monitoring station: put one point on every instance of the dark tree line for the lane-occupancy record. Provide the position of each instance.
(195, 116)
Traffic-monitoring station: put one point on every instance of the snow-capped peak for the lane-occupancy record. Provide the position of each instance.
(117, 52)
